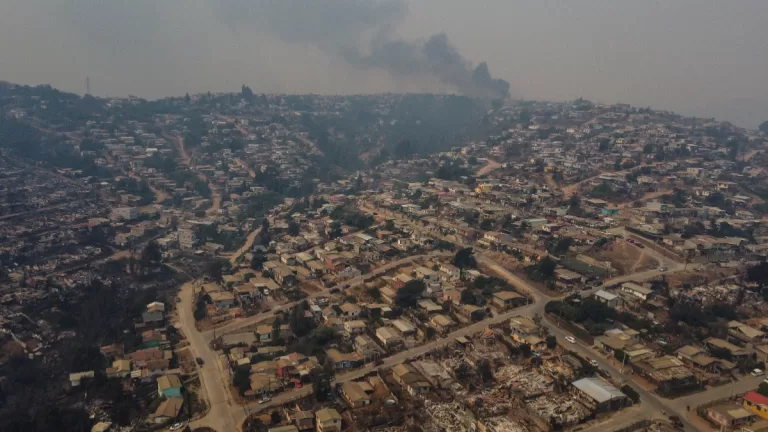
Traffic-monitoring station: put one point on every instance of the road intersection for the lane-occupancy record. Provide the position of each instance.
(226, 415)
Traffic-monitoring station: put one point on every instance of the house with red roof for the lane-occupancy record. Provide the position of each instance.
(756, 403)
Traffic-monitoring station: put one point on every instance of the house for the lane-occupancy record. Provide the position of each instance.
(168, 410)
(388, 336)
(264, 383)
(729, 415)
(304, 420)
(354, 393)
(223, 300)
(744, 333)
(429, 306)
(441, 323)
(328, 420)
(141, 357)
(344, 360)
(757, 404)
(354, 327)
(453, 273)
(507, 299)
(349, 311)
(284, 275)
(367, 348)
(403, 327)
(523, 330)
(636, 290)
(410, 379)
(75, 379)
(119, 369)
(600, 396)
(264, 332)
(608, 299)
(169, 386)
(667, 373)
(154, 314)
(240, 339)
(700, 359)
(738, 354)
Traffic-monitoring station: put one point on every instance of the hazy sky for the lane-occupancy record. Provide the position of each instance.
(699, 57)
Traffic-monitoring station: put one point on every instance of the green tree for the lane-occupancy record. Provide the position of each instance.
(464, 259)
(551, 341)
(486, 225)
(242, 379)
(410, 293)
(546, 267)
(293, 228)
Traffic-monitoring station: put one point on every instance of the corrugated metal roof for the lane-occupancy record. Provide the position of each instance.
(598, 389)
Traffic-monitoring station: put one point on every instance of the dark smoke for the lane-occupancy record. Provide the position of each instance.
(361, 32)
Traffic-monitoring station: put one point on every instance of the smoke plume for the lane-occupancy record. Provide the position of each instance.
(362, 33)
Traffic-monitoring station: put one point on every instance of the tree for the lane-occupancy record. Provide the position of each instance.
(276, 339)
(322, 386)
(468, 296)
(151, 256)
(374, 293)
(293, 228)
(389, 225)
(764, 127)
(275, 417)
(763, 388)
(214, 270)
(551, 341)
(485, 370)
(562, 246)
(464, 258)
(242, 379)
(410, 293)
(486, 225)
(546, 267)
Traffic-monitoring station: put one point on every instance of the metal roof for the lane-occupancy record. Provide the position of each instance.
(598, 389)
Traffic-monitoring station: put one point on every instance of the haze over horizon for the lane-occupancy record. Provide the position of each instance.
(696, 57)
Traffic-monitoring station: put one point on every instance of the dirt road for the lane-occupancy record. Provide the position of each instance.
(489, 167)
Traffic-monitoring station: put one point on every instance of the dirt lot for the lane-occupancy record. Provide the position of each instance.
(626, 258)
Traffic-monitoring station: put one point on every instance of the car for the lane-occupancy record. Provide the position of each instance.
(598, 283)
(663, 269)
(264, 400)
(177, 426)
(570, 339)
(593, 363)
(334, 290)
(346, 286)
(757, 372)
(640, 245)
(199, 361)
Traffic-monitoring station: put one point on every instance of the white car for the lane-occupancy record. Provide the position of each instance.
(264, 400)
(663, 269)
(177, 426)
(593, 363)
(757, 372)
(570, 339)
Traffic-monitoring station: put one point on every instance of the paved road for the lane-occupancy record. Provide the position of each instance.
(224, 413)
(214, 380)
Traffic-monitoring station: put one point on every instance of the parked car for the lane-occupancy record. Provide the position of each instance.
(570, 339)
(593, 363)
(264, 400)
(663, 269)
(199, 361)
(757, 372)
(177, 426)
